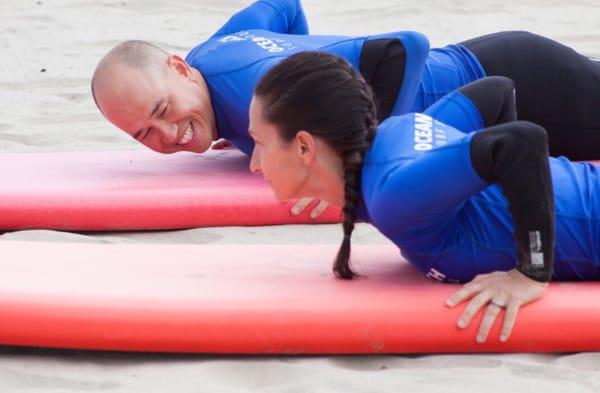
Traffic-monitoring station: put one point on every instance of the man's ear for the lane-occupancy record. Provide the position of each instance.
(306, 145)
(179, 65)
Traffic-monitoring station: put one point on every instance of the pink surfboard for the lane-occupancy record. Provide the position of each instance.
(250, 299)
(130, 190)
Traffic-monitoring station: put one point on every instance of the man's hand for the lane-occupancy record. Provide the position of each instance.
(497, 290)
(316, 212)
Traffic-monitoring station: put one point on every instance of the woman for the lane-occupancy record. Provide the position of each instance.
(463, 206)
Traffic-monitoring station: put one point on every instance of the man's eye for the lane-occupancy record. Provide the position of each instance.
(147, 134)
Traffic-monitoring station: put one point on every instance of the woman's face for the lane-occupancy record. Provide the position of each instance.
(281, 163)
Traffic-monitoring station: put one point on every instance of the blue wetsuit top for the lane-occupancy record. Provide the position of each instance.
(234, 59)
(446, 69)
(420, 190)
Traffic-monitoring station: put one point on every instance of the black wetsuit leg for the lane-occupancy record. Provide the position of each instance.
(556, 87)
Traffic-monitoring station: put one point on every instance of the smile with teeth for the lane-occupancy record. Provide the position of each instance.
(187, 135)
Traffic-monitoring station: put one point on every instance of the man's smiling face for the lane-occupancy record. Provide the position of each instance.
(165, 106)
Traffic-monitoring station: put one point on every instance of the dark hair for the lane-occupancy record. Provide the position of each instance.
(324, 95)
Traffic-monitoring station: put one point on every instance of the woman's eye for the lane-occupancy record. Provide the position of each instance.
(162, 114)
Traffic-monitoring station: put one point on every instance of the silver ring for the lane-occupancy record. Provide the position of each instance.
(497, 304)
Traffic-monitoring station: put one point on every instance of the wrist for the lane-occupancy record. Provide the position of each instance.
(516, 274)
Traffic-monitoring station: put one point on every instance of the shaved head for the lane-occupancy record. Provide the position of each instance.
(141, 55)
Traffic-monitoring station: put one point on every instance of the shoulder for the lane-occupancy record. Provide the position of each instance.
(394, 138)
(234, 52)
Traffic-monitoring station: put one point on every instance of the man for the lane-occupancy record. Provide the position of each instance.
(171, 104)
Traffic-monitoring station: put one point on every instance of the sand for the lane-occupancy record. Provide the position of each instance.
(48, 52)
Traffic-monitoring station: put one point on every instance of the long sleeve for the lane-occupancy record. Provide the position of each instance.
(279, 16)
(515, 155)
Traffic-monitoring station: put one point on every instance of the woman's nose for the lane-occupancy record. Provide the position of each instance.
(255, 162)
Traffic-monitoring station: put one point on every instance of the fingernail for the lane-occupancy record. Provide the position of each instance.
(295, 210)
(449, 302)
(480, 339)
(461, 323)
(503, 338)
(313, 215)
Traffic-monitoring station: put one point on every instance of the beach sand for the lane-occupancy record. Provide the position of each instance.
(48, 52)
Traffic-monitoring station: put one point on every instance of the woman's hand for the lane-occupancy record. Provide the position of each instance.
(316, 212)
(498, 290)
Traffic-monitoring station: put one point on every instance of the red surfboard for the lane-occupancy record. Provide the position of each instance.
(131, 190)
(249, 299)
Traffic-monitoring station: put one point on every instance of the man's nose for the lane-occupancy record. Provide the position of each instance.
(255, 162)
(169, 132)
